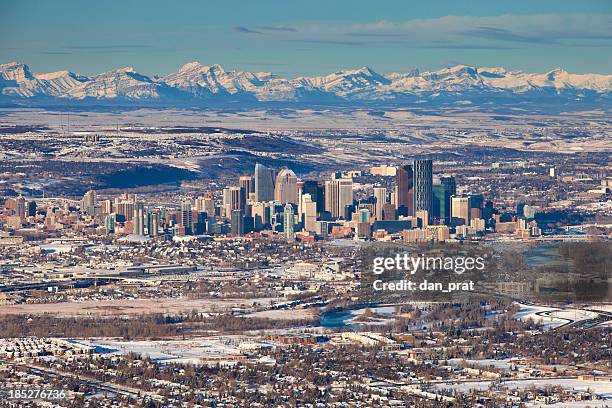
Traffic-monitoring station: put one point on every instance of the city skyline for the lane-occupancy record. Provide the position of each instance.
(247, 206)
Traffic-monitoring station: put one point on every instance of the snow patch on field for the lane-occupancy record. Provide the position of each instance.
(551, 317)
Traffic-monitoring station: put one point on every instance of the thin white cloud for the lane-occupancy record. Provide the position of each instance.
(535, 29)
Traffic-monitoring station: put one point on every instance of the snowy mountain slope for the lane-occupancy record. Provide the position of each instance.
(196, 82)
(120, 83)
(209, 81)
(17, 80)
(203, 80)
(358, 83)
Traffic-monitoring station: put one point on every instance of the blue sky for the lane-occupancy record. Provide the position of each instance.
(295, 38)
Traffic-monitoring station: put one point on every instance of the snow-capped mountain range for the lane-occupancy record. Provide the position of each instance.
(195, 83)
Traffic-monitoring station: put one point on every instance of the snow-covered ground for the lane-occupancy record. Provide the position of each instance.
(601, 388)
(175, 351)
(603, 308)
(574, 404)
(505, 364)
(551, 317)
(464, 387)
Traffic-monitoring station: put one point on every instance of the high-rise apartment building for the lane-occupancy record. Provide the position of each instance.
(109, 223)
(124, 206)
(107, 206)
(88, 203)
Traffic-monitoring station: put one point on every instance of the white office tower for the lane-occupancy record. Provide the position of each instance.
(205, 204)
(310, 213)
(138, 219)
(233, 199)
(380, 194)
(338, 194)
(460, 210)
(261, 214)
(285, 189)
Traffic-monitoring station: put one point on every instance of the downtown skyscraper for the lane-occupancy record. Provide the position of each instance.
(186, 215)
(317, 193)
(247, 183)
(404, 181)
(380, 194)
(288, 222)
(338, 195)
(88, 203)
(442, 193)
(423, 186)
(264, 183)
(138, 219)
(285, 190)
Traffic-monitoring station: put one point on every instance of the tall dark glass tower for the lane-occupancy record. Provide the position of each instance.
(442, 194)
(316, 192)
(264, 183)
(404, 181)
(237, 222)
(423, 186)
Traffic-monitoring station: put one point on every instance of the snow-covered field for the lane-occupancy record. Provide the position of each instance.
(603, 308)
(505, 364)
(417, 128)
(284, 314)
(551, 317)
(175, 351)
(464, 386)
